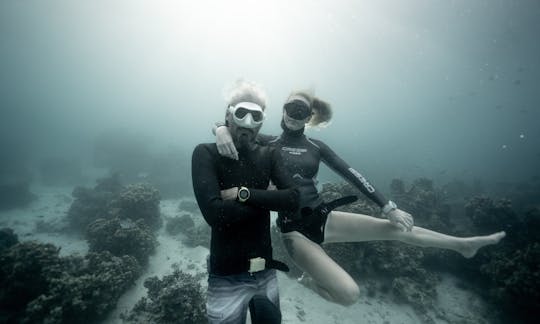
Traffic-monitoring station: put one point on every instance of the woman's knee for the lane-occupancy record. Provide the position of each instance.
(347, 294)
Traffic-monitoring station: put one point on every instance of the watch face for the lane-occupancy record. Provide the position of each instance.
(243, 194)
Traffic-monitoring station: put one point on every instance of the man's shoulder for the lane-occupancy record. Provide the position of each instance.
(205, 148)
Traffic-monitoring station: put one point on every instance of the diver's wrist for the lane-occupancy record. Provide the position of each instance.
(243, 194)
(390, 206)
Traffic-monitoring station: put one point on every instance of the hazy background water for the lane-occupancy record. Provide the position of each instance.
(441, 89)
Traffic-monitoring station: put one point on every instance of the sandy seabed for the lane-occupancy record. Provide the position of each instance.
(298, 303)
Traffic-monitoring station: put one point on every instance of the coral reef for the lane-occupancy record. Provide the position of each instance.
(411, 281)
(508, 274)
(39, 286)
(122, 237)
(88, 295)
(25, 271)
(138, 201)
(516, 277)
(177, 225)
(176, 298)
(109, 199)
(193, 234)
(91, 204)
(197, 235)
(489, 216)
(189, 206)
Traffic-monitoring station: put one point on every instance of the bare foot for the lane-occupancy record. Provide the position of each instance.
(473, 244)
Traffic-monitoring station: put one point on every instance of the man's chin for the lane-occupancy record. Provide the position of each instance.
(245, 141)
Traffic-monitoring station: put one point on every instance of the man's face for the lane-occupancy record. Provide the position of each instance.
(245, 120)
(243, 137)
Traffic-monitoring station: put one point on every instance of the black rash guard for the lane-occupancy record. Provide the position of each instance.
(301, 157)
(240, 231)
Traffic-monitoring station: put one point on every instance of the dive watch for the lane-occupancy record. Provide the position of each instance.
(243, 194)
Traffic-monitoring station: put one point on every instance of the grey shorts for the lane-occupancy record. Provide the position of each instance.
(228, 296)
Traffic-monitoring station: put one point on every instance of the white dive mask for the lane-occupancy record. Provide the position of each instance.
(247, 114)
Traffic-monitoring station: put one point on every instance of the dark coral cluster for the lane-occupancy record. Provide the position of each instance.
(509, 273)
(39, 286)
(189, 206)
(177, 225)
(176, 298)
(193, 233)
(91, 204)
(516, 279)
(110, 199)
(120, 219)
(120, 224)
(488, 215)
(138, 201)
(122, 237)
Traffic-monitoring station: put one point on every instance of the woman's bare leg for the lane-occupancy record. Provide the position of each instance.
(349, 227)
(330, 280)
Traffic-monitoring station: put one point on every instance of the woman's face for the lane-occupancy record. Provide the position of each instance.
(294, 124)
(296, 114)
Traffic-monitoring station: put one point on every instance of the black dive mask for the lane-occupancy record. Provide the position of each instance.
(297, 109)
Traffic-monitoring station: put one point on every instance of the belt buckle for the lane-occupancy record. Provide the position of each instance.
(256, 264)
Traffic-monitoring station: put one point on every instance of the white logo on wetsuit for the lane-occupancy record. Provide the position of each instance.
(363, 180)
(294, 150)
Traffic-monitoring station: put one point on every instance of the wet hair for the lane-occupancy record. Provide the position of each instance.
(243, 90)
(322, 111)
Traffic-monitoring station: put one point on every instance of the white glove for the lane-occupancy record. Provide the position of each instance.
(225, 144)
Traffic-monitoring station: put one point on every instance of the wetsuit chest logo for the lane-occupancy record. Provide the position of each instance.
(294, 150)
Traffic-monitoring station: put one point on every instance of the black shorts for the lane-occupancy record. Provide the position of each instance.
(313, 231)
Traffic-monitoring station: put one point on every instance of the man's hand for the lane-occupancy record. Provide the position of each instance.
(225, 144)
(401, 219)
(229, 194)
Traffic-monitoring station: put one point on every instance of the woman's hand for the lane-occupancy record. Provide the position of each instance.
(229, 194)
(225, 144)
(401, 219)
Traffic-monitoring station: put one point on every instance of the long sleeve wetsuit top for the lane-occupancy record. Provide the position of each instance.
(240, 231)
(301, 157)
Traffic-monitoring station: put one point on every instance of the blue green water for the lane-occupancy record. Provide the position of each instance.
(443, 89)
(447, 90)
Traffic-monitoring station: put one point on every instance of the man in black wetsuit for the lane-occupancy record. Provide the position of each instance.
(240, 263)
